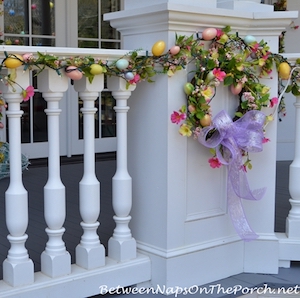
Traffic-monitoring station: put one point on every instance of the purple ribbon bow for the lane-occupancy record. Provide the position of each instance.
(245, 134)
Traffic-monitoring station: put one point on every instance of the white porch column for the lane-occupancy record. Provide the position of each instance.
(90, 253)
(293, 219)
(17, 267)
(55, 260)
(179, 214)
(245, 5)
(121, 246)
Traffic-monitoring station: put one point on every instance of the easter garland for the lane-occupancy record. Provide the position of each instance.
(218, 57)
(236, 62)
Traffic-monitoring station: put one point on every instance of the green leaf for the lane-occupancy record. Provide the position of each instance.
(211, 64)
(295, 90)
(134, 55)
(289, 89)
(239, 114)
(228, 81)
(200, 114)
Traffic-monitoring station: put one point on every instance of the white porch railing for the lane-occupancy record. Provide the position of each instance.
(123, 266)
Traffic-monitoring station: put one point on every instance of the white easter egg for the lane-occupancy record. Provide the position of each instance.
(129, 76)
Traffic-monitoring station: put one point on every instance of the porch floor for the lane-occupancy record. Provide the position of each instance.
(35, 178)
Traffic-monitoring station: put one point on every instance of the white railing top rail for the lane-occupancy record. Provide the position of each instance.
(103, 54)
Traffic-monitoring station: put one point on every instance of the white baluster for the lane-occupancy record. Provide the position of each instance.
(121, 246)
(55, 260)
(293, 219)
(18, 269)
(90, 253)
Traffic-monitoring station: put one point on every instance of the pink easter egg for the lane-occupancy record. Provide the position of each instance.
(1, 125)
(236, 89)
(73, 73)
(209, 33)
(27, 56)
(174, 50)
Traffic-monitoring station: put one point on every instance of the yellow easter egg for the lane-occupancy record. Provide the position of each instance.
(158, 48)
(284, 70)
(206, 120)
(13, 61)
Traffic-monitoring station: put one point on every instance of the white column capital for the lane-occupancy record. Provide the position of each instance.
(84, 85)
(49, 81)
(118, 84)
(22, 78)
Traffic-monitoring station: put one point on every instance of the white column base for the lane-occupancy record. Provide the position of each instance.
(18, 274)
(284, 264)
(55, 266)
(293, 228)
(121, 250)
(90, 258)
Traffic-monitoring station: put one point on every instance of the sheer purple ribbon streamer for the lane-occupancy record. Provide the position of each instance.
(244, 134)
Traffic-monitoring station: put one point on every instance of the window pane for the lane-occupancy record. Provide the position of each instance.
(88, 22)
(43, 42)
(16, 16)
(88, 44)
(43, 21)
(110, 45)
(107, 32)
(39, 118)
(108, 115)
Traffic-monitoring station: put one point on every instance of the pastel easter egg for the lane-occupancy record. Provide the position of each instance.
(174, 50)
(13, 61)
(206, 120)
(73, 73)
(96, 69)
(236, 89)
(284, 70)
(27, 56)
(122, 64)
(249, 39)
(1, 125)
(158, 48)
(209, 33)
(188, 88)
(129, 76)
